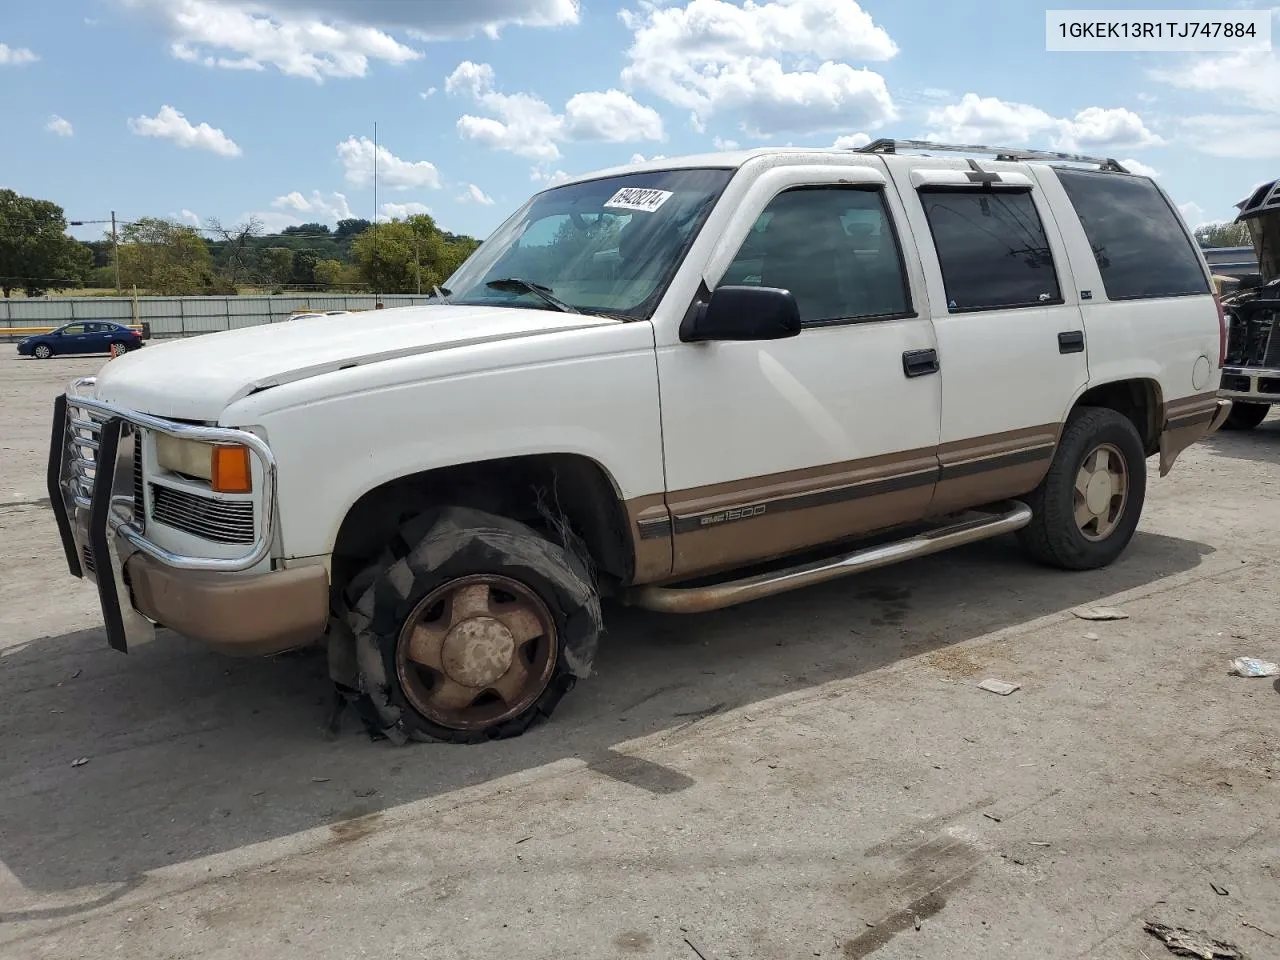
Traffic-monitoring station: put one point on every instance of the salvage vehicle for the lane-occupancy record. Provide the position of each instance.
(682, 384)
(1251, 375)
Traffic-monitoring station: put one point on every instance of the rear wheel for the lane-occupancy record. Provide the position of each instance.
(1246, 416)
(42, 351)
(478, 628)
(1086, 509)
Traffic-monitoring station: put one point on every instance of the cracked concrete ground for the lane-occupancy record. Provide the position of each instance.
(812, 775)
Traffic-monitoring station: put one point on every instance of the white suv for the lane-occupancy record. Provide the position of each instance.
(646, 383)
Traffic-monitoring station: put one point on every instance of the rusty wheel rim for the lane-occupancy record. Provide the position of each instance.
(1101, 492)
(476, 651)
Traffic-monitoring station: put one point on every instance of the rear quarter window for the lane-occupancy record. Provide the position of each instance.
(1138, 241)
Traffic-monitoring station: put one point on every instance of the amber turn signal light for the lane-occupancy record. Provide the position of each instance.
(230, 470)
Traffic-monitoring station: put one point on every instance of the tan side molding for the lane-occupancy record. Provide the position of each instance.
(975, 525)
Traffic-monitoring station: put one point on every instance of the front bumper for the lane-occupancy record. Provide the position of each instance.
(1250, 384)
(94, 481)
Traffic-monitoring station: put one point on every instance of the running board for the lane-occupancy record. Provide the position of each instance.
(1000, 518)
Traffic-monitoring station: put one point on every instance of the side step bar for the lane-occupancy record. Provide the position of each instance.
(997, 519)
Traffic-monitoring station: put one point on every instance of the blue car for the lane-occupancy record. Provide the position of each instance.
(80, 337)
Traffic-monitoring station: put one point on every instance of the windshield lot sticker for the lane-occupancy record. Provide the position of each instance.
(638, 198)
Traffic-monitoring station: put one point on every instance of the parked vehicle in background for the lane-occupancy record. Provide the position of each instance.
(81, 337)
(1251, 375)
(686, 384)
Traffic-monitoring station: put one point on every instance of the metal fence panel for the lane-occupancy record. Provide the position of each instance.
(184, 316)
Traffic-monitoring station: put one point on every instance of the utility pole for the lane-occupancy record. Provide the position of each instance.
(417, 264)
(115, 249)
(377, 291)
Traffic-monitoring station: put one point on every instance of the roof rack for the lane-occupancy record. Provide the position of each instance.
(1000, 153)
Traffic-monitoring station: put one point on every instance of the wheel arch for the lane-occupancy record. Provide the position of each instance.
(1141, 399)
(542, 490)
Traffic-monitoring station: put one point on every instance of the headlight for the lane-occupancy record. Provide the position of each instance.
(224, 466)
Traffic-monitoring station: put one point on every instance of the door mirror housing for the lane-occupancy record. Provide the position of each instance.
(743, 313)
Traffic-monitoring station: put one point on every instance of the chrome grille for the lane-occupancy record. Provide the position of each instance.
(83, 432)
(222, 521)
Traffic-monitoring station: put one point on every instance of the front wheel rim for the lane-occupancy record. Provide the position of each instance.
(42, 352)
(1101, 492)
(476, 651)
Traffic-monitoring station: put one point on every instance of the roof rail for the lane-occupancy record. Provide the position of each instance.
(1000, 153)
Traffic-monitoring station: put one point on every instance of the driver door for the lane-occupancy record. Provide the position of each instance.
(772, 447)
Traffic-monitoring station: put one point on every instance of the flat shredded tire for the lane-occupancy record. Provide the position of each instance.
(471, 627)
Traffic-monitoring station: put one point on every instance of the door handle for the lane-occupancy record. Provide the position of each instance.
(920, 363)
(1071, 341)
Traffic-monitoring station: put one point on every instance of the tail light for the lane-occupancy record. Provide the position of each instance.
(1222, 331)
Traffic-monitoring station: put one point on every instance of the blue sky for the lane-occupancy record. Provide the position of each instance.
(193, 109)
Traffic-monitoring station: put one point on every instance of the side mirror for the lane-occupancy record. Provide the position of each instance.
(743, 313)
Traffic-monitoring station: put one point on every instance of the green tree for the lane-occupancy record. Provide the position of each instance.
(165, 258)
(304, 267)
(336, 275)
(35, 251)
(277, 265)
(1224, 235)
(404, 256)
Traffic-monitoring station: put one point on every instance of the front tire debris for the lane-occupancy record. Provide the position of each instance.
(471, 627)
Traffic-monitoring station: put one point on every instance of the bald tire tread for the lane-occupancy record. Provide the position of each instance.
(461, 542)
(1052, 537)
(1246, 416)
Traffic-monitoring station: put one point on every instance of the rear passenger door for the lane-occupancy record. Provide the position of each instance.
(1011, 341)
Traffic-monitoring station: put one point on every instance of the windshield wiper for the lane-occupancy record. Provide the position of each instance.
(537, 289)
(441, 292)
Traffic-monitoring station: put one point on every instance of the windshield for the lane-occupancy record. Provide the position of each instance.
(606, 246)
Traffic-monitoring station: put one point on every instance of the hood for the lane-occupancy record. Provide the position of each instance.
(1261, 212)
(196, 378)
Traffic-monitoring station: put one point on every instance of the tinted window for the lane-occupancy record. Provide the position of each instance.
(992, 249)
(1137, 238)
(73, 329)
(834, 248)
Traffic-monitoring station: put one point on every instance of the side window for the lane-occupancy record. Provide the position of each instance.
(992, 249)
(73, 330)
(1137, 239)
(834, 248)
(94, 327)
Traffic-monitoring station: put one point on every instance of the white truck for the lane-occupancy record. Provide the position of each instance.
(681, 384)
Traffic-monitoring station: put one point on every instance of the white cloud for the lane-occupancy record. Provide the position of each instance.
(1140, 168)
(251, 36)
(15, 56)
(272, 220)
(1192, 213)
(1233, 136)
(357, 157)
(721, 144)
(641, 158)
(318, 205)
(429, 19)
(402, 211)
(711, 56)
(473, 194)
(990, 120)
(852, 142)
(189, 216)
(525, 125)
(59, 126)
(1253, 78)
(611, 116)
(428, 93)
(317, 39)
(170, 124)
(548, 177)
